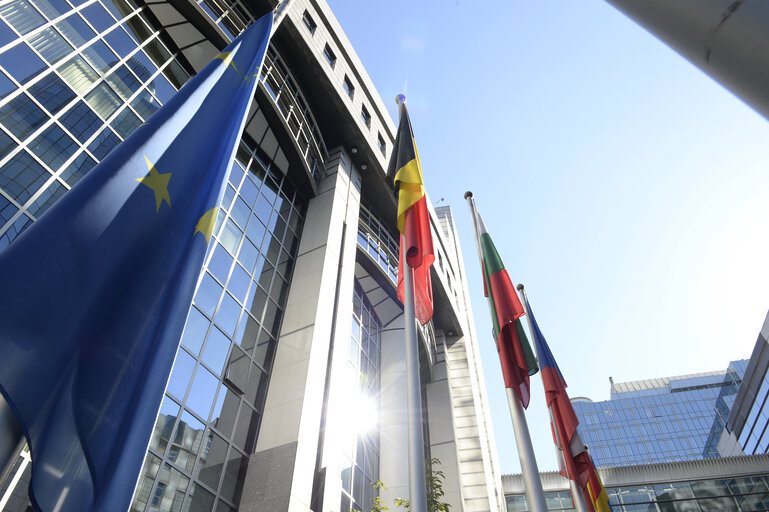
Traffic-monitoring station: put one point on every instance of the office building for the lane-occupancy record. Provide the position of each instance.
(730, 484)
(660, 420)
(748, 422)
(287, 390)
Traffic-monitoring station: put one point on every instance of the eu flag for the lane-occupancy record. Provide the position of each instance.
(93, 297)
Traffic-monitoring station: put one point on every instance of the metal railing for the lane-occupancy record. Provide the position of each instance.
(377, 241)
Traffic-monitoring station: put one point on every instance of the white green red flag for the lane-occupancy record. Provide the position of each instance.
(515, 354)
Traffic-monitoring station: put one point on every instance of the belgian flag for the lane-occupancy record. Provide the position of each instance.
(416, 246)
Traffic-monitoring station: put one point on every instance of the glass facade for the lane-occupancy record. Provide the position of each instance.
(754, 437)
(360, 443)
(667, 420)
(744, 494)
(75, 79)
(377, 241)
(78, 77)
(210, 413)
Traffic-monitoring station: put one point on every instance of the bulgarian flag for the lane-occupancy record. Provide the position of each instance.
(573, 459)
(416, 245)
(515, 354)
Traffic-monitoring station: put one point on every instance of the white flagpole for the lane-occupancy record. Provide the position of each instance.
(576, 491)
(417, 491)
(531, 480)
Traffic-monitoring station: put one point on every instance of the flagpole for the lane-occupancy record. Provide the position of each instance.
(417, 491)
(531, 480)
(576, 492)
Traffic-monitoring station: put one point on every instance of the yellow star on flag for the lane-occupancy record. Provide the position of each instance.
(158, 183)
(205, 225)
(226, 57)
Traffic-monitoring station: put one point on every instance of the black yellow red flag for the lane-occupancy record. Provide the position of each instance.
(416, 245)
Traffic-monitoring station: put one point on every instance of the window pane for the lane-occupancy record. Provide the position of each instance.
(245, 430)
(227, 316)
(21, 62)
(78, 74)
(75, 29)
(51, 45)
(14, 231)
(22, 176)
(202, 392)
(22, 16)
(103, 144)
(52, 93)
(187, 441)
(181, 373)
(6, 86)
(208, 295)
(199, 501)
(137, 29)
(234, 475)
(52, 194)
(118, 8)
(21, 116)
(124, 82)
(80, 121)
(216, 349)
(157, 52)
(145, 104)
(77, 169)
(125, 123)
(7, 210)
(7, 145)
(120, 42)
(225, 409)
(212, 460)
(53, 147)
(220, 263)
(98, 16)
(100, 56)
(52, 8)
(164, 425)
(195, 331)
(103, 100)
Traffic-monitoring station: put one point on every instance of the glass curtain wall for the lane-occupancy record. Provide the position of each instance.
(360, 446)
(210, 413)
(76, 78)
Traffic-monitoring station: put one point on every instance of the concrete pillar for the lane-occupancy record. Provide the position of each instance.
(281, 471)
(726, 39)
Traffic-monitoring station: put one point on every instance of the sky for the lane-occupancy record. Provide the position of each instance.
(624, 187)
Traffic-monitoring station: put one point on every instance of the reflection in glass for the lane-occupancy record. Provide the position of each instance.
(21, 116)
(22, 176)
(216, 350)
(202, 392)
(52, 93)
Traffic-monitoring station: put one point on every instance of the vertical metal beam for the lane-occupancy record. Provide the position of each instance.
(417, 491)
(727, 39)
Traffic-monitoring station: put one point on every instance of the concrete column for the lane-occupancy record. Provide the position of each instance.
(726, 39)
(281, 471)
(443, 442)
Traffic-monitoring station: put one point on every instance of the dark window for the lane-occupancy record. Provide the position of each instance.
(364, 114)
(330, 56)
(52, 93)
(77, 169)
(103, 144)
(381, 143)
(53, 147)
(309, 22)
(22, 176)
(52, 194)
(348, 87)
(6, 146)
(80, 121)
(21, 116)
(15, 230)
(7, 210)
(125, 123)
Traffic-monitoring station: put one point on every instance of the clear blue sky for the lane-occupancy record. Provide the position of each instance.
(626, 189)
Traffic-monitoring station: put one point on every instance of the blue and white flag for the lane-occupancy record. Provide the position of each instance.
(94, 295)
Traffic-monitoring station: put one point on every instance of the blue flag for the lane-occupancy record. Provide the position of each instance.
(94, 295)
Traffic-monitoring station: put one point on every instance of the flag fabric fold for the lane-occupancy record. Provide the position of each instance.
(416, 241)
(573, 458)
(94, 295)
(515, 354)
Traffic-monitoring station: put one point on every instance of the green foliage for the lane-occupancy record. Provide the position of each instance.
(434, 479)
(377, 505)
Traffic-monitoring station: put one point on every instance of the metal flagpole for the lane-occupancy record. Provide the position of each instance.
(417, 491)
(576, 491)
(531, 480)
